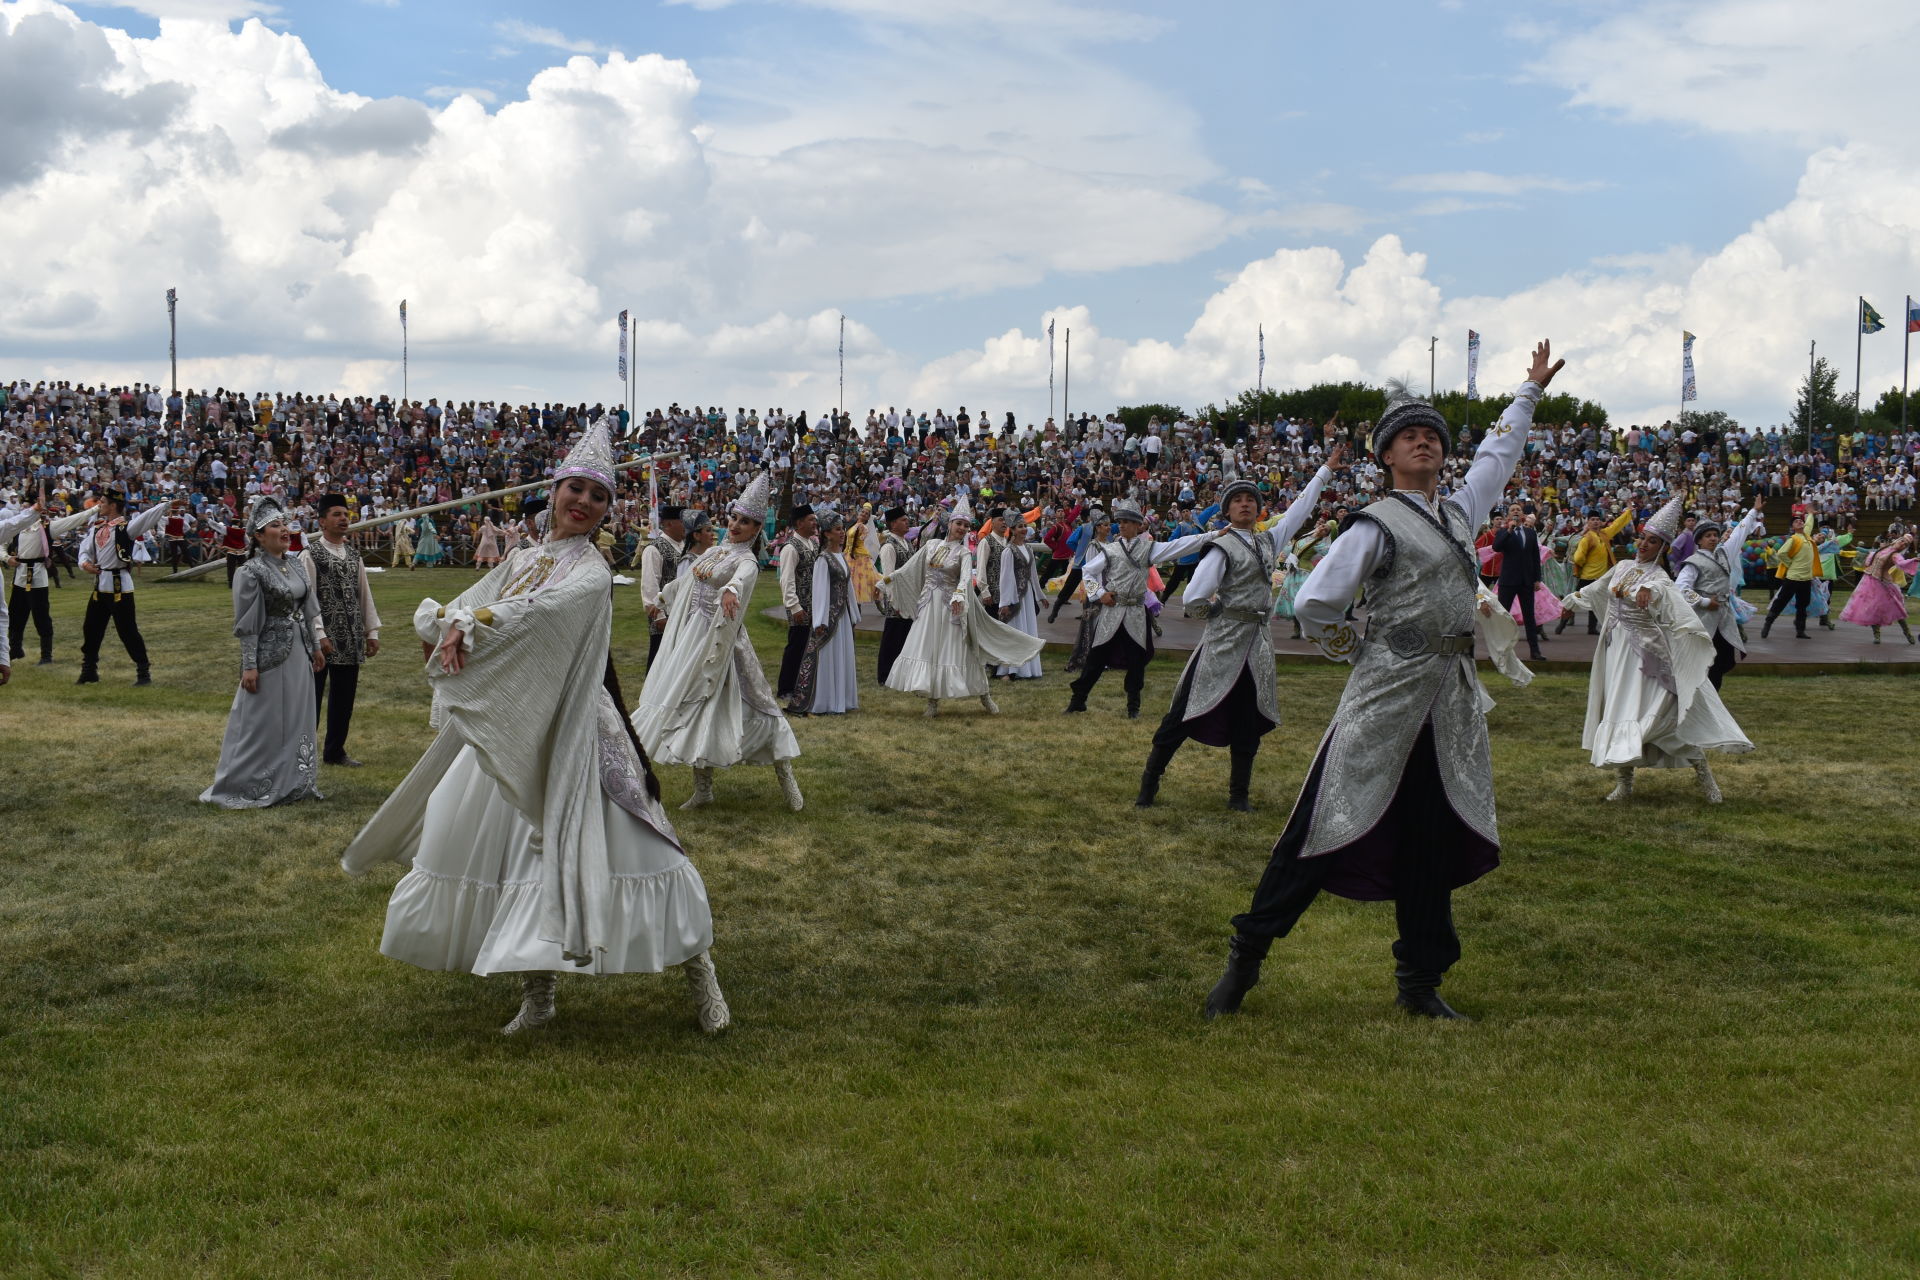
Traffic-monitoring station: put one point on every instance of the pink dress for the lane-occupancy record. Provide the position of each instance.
(489, 549)
(1877, 602)
(1546, 605)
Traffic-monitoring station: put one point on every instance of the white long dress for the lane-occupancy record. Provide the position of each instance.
(706, 702)
(1649, 703)
(1016, 563)
(946, 656)
(531, 841)
(827, 681)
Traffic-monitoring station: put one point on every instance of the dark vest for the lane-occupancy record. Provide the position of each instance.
(337, 583)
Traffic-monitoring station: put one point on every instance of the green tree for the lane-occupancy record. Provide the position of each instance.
(1887, 408)
(1831, 411)
(1135, 416)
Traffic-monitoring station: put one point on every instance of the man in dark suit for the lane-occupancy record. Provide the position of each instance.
(1517, 541)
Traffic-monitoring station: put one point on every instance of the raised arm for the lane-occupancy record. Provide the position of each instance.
(1283, 531)
(1501, 448)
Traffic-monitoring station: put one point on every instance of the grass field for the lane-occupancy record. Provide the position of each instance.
(966, 983)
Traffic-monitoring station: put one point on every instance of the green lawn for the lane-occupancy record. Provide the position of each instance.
(966, 984)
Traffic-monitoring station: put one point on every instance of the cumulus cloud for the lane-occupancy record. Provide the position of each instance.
(389, 126)
(1480, 182)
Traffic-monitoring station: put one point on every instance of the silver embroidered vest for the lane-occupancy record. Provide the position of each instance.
(1714, 577)
(1232, 644)
(1126, 577)
(1427, 588)
(901, 554)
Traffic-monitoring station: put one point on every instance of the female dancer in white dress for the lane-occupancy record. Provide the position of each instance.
(268, 755)
(487, 553)
(1649, 702)
(532, 825)
(1016, 585)
(953, 640)
(826, 683)
(706, 702)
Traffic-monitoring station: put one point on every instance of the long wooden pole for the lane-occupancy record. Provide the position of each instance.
(470, 500)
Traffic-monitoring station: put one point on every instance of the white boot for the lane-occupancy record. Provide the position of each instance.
(702, 789)
(933, 708)
(789, 785)
(1623, 789)
(536, 1004)
(1704, 772)
(986, 700)
(715, 1017)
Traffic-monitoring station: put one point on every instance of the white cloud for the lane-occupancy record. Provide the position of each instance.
(447, 92)
(1808, 74)
(1480, 182)
(222, 11)
(527, 33)
(1024, 17)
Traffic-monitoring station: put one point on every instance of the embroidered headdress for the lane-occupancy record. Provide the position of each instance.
(1665, 523)
(753, 503)
(265, 510)
(591, 458)
(962, 510)
(1405, 409)
(1126, 510)
(1234, 489)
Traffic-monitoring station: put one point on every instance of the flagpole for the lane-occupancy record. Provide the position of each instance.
(1066, 389)
(403, 351)
(841, 411)
(1906, 346)
(1811, 346)
(1433, 356)
(1859, 337)
(1050, 370)
(173, 339)
(1260, 383)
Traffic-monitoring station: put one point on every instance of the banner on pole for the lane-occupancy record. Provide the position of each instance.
(173, 296)
(623, 346)
(1473, 365)
(1687, 389)
(1870, 320)
(653, 497)
(403, 314)
(1913, 315)
(1263, 352)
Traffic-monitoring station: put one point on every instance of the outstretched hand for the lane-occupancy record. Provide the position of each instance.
(1544, 365)
(1337, 460)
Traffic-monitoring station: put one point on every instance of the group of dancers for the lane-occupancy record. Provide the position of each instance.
(532, 829)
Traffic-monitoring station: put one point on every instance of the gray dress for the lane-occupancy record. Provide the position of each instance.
(269, 754)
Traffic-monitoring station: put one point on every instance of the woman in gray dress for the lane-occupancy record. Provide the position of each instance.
(269, 754)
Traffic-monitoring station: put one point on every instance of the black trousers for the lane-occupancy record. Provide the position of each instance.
(233, 566)
(1724, 657)
(1172, 579)
(1801, 595)
(653, 645)
(104, 608)
(1066, 592)
(1423, 903)
(1507, 593)
(893, 638)
(1245, 725)
(344, 683)
(22, 603)
(1122, 651)
(790, 660)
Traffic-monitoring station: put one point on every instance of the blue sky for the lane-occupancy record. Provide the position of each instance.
(1162, 177)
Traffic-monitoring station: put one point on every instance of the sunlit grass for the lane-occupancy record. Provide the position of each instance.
(966, 982)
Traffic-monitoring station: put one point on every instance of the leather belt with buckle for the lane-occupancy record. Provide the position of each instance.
(1410, 641)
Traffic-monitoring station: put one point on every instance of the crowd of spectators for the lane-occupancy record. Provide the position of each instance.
(211, 451)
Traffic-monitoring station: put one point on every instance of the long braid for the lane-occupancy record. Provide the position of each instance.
(611, 681)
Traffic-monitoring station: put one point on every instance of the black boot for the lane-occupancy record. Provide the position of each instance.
(1800, 629)
(1244, 956)
(1157, 762)
(1565, 618)
(1133, 706)
(1075, 704)
(1239, 779)
(1767, 627)
(1421, 999)
(88, 676)
(142, 679)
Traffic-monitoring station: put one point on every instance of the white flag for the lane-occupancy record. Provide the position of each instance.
(1687, 390)
(1473, 365)
(623, 346)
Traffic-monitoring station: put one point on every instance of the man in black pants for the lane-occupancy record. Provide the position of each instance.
(1519, 549)
(106, 555)
(349, 628)
(893, 553)
(796, 589)
(1399, 802)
